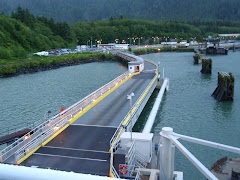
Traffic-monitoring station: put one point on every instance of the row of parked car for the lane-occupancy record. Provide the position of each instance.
(61, 52)
(57, 52)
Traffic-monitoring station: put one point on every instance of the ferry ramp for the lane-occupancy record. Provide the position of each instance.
(79, 138)
(75, 150)
(111, 110)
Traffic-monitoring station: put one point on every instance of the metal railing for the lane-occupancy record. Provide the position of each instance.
(115, 172)
(135, 157)
(21, 126)
(40, 139)
(131, 154)
(37, 136)
(140, 159)
(169, 138)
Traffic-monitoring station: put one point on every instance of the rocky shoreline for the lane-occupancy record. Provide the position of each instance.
(56, 66)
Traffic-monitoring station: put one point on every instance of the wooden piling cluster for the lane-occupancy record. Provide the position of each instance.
(197, 58)
(206, 66)
(225, 88)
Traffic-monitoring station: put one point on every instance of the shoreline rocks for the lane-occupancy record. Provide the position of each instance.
(51, 66)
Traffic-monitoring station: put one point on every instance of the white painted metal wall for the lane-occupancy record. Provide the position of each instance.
(12, 172)
(143, 143)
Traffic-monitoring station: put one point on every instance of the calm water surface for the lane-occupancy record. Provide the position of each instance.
(190, 110)
(26, 98)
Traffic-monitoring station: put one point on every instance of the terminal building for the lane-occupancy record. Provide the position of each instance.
(112, 46)
(135, 63)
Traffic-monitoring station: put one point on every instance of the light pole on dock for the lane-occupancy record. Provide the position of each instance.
(130, 98)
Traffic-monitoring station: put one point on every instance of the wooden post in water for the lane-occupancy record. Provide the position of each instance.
(206, 66)
(225, 88)
(197, 58)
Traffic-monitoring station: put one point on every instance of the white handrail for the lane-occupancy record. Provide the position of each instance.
(193, 159)
(168, 135)
(208, 143)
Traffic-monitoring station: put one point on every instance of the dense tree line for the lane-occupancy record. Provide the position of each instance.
(23, 33)
(72, 11)
(143, 31)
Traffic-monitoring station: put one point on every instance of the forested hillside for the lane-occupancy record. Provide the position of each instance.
(91, 10)
(123, 29)
(24, 33)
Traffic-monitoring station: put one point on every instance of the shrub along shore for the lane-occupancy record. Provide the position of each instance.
(42, 63)
(161, 49)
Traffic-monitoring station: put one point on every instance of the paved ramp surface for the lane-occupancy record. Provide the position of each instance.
(111, 110)
(81, 149)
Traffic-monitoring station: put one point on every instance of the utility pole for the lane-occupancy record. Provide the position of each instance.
(91, 42)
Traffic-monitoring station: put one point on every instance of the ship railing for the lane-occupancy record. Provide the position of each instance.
(40, 139)
(131, 154)
(113, 172)
(21, 142)
(169, 138)
(140, 159)
(136, 157)
(22, 126)
(137, 177)
(65, 115)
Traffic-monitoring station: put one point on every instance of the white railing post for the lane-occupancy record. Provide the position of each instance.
(0, 157)
(163, 73)
(166, 155)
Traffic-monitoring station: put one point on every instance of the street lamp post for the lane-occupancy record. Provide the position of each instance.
(130, 41)
(130, 98)
(91, 42)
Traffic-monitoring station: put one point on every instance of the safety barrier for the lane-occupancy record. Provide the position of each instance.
(136, 157)
(170, 139)
(25, 145)
(131, 154)
(113, 172)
